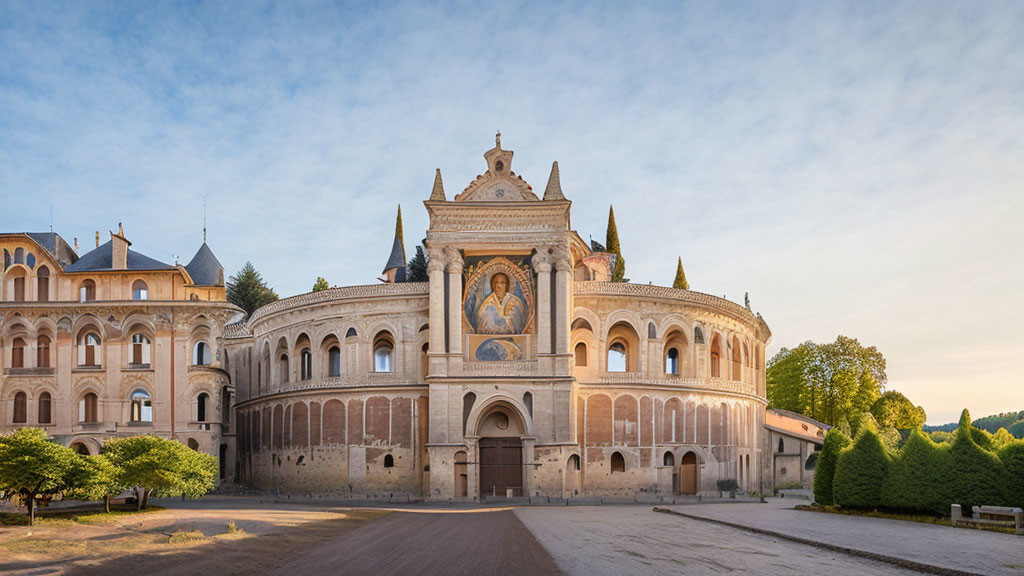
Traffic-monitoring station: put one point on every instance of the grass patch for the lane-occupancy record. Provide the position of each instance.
(187, 537)
(66, 517)
(891, 515)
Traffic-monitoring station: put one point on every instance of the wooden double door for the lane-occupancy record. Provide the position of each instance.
(501, 466)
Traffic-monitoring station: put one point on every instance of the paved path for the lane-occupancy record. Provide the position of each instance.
(472, 543)
(634, 540)
(968, 550)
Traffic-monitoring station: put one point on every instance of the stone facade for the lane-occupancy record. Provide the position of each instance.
(515, 368)
(792, 442)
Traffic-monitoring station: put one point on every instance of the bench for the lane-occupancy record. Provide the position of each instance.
(989, 516)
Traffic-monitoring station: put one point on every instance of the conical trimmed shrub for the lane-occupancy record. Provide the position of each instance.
(918, 478)
(1012, 457)
(977, 474)
(860, 472)
(825, 469)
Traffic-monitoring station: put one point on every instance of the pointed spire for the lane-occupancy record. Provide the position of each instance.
(397, 258)
(554, 189)
(438, 192)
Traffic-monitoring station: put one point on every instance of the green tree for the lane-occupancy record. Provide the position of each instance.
(893, 409)
(1012, 457)
(1001, 439)
(149, 464)
(860, 472)
(418, 266)
(612, 243)
(94, 478)
(33, 467)
(918, 477)
(976, 477)
(825, 469)
(826, 381)
(320, 285)
(680, 281)
(248, 291)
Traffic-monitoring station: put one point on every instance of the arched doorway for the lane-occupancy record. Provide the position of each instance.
(572, 476)
(688, 474)
(461, 475)
(80, 448)
(500, 452)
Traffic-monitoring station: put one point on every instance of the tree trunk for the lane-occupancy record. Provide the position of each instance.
(106, 503)
(138, 500)
(31, 509)
(145, 497)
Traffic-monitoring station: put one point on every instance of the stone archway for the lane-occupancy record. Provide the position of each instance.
(688, 470)
(500, 450)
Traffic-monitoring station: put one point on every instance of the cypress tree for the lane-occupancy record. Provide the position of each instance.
(825, 469)
(612, 243)
(918, 477)
(248, 291)
(418, 266)
(977, 475)
(1012, 457)
(399, 233)
(860, 472)
(680, 281)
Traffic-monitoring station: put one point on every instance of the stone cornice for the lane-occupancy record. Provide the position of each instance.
(472, 218)
(707, 301)
(388, 290)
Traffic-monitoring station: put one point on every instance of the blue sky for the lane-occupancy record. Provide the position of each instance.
(858, 168)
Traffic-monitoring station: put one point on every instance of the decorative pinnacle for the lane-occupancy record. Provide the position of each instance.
(554, 189)
(438, 192)
(497, 140)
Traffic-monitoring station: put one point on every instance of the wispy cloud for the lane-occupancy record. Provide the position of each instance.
(855, 168)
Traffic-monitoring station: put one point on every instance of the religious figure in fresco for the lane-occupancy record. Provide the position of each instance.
(501, 312)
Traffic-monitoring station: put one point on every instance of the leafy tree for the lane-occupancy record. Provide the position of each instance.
(1012, 457)
(860, 472)
(321, 284)
(918, 477)
(33, 467)
(94, 478)
(149, 464)
(893, 409)
(418, 266)
(976, 477)
(248, 291)
(940, 436)
(612, 242)
(825, 469)
(826, 381)
(680, 281)
(1001, 439)
(982, 438)
(996, 421)
(1017, 429)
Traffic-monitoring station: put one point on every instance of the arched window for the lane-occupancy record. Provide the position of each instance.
(668, 459)
(20, 408)
(140, 350)
(19, 255)
(142, 406)
(225, 404)
(782, 446)
(283, 367)
(672, 362)
(698, 335)
(43, 284)
(618, 462)
(306, 362)
(383, 353)
(89, 350)
(528, 401)
(18, 353)
(19, 286)
(87, 291)
(43, 351)
(140, 291)
(737, 360)
(716, 357)
(45, 408)
(812, 461)
(351, 333)
(467, 406)
(334, 362)
(88, 408)
(574, 462)
(581, 354)
(389, 461)
(617, 357)
(201, 403)
(201, 354)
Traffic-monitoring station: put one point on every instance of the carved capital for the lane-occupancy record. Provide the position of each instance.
(453, 259)
(541, 261)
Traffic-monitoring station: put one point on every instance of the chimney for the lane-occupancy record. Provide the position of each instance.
(119, 249)
(76, 244)
(97, 238)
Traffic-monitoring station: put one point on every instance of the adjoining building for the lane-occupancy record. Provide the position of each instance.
(114, 343)
(794, 441)
(518, 368)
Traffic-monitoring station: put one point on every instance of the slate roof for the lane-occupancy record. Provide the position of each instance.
(205, 269)
(55, 245)
(102, 258)
(397, 258)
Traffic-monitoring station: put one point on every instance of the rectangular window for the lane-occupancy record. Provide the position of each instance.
(19, 289)
(43, 289)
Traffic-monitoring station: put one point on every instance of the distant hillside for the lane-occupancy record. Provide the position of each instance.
(1012, 421)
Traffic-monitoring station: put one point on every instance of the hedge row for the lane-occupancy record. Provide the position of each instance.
(922, 476)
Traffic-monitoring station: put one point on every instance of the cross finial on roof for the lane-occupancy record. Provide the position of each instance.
(497, 139)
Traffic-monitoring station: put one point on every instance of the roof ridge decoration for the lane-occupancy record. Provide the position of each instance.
(437, 194)
(499, 183)
(554, 188)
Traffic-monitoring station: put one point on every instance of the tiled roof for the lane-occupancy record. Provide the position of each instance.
(205, 269)
(102, 258)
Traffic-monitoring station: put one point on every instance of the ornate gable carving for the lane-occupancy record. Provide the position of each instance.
(499, 183)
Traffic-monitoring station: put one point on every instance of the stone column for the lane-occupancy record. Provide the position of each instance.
(542, 264)
(454, 262)
(435, 269)
(563, 270)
